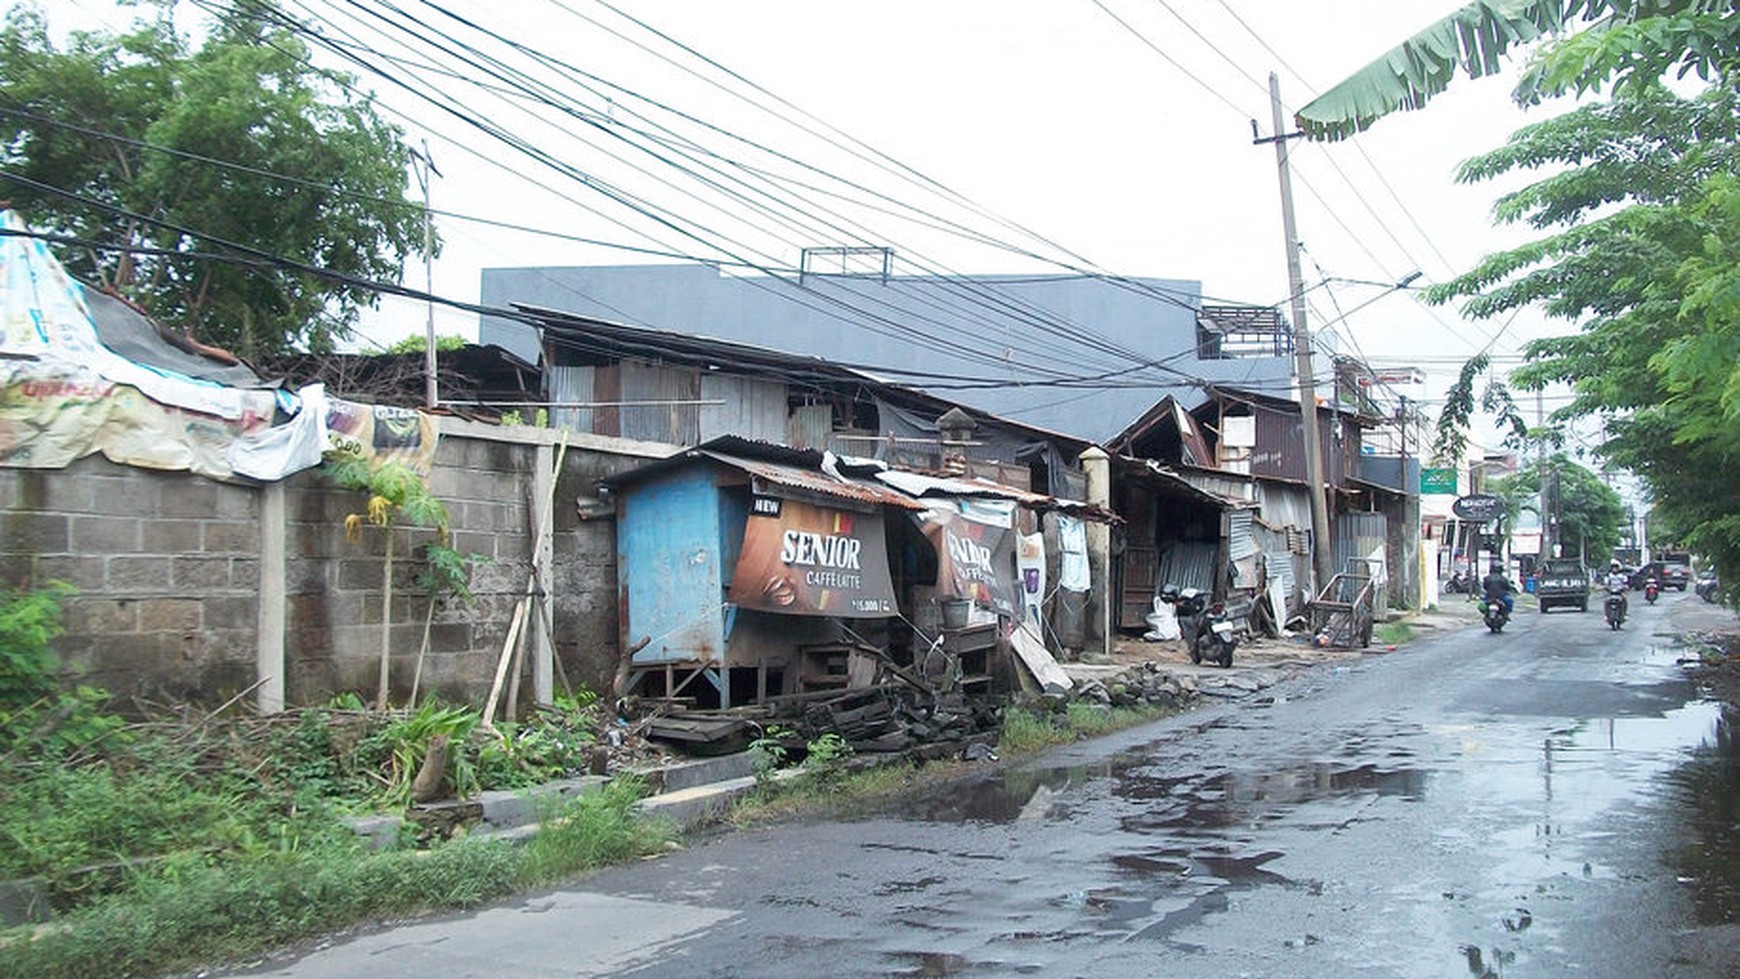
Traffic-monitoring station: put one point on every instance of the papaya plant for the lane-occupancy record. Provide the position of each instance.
(396, 496)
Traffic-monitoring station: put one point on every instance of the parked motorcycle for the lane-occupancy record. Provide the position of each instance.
(1457, 585)
(1492, 611)
(1651, 590)
(1208, 631)
(1615, 608)
(1707, 588)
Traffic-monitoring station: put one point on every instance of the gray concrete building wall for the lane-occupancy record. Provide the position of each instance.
(170, 584)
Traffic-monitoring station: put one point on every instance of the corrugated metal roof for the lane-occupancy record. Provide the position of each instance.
(920, 485)
(1176, 478)
(815, 481)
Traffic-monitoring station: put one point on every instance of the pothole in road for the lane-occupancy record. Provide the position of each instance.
(949, 964)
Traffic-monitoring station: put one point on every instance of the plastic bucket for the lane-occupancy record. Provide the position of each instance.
(955, 612)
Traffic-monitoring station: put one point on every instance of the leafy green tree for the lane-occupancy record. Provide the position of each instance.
(157, 152)
(1639, 209)
(1641, 205)
(1591, 516)
(416, 343)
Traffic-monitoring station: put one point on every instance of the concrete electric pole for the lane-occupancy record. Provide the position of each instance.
(424, 167)
(1321, 543)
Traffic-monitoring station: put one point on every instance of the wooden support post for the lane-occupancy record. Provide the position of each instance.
(271, 619)
(544, 478)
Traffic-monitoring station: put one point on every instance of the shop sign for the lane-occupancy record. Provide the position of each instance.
(1438, 481)
(1478, 507)
(975, 560)
(802, 559)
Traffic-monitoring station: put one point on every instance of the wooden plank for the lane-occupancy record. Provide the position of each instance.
(1030, 649)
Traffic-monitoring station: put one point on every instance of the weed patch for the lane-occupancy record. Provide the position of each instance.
(201, 912)
(595, 829)
(1393, 633)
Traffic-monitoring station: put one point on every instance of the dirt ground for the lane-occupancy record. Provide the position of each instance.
(1286, 652)
(1713, 632)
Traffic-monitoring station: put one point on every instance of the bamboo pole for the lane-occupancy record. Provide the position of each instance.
(507, 657)
(422, 650)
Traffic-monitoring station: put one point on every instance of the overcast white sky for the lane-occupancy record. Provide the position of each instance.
(1049, 114)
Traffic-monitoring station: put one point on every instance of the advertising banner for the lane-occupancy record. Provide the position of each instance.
(52, 414)
(802, 559)
(1030, 561)
(382, 432)
(974, 560)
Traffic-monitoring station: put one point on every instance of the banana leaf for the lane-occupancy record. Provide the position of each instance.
(1475, 39)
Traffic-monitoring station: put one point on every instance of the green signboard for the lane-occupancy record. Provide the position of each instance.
(1438, 481)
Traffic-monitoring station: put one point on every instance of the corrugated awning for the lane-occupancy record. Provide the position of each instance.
(814, 481)
(970, 487)
(1178, 479)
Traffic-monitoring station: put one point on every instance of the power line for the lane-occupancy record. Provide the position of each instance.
(1079, 337)
(459, 110)
(1358, 146)
(1174, 62)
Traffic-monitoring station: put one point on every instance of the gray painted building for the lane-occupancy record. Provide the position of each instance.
(1018, 333)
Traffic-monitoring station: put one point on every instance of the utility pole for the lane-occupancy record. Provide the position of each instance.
(1548, 480)
(1321, 544)
(424, 167)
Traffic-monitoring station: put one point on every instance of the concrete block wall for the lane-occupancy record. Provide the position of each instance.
(169, 577)
(166, 566)
(587, 615)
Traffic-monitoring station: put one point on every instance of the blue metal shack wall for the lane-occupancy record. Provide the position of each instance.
(671, 556)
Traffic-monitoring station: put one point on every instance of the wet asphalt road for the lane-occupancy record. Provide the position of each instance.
(1551, 801)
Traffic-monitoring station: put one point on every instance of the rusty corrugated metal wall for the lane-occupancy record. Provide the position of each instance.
(753, 408)
(1364, 537)
(678, 424)
(570, 385)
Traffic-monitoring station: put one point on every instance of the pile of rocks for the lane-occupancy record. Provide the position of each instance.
(1141, 685)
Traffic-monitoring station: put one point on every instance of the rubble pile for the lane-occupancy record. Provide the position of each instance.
(1142, 685)
(878, 719)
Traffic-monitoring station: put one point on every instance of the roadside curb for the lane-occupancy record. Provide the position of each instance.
(687, 793)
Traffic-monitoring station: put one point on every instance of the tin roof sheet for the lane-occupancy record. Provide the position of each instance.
(816, 481)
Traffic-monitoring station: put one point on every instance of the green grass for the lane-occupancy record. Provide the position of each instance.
(200, 912)
(1026, 731)
(594, 830)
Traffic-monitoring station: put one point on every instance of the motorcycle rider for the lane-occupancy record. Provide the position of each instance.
(1618, 583)
(1495, 587)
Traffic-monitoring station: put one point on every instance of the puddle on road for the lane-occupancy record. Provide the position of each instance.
(1209, 802)
(1185, 845)
(1706, 789)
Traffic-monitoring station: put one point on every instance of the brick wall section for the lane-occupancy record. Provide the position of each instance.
(167, 568)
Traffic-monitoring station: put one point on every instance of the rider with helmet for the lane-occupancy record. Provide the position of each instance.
(1618, 583)
(1495, 587)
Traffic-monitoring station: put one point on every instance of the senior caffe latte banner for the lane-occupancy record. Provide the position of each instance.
(800, 559)
(975, 560)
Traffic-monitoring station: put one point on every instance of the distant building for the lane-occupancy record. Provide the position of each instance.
(1006, 337)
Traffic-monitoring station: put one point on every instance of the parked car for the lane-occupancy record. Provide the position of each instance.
(1562, 582)
(1675, 574)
